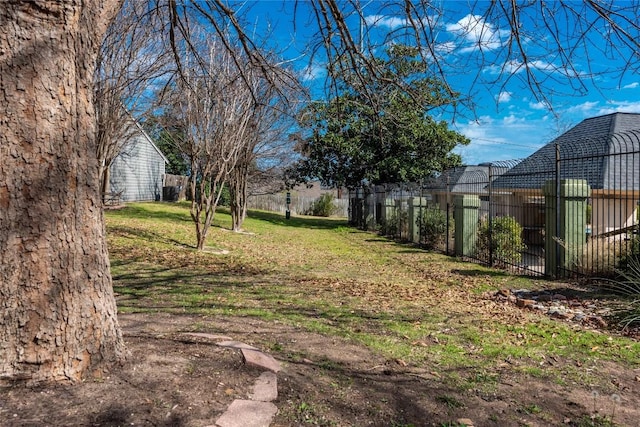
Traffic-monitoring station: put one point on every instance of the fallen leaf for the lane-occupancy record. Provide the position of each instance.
(401, 362)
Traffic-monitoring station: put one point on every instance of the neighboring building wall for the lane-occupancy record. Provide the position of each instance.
(137, 172)
(609, 214)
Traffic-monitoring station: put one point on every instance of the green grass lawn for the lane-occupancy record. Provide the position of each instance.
(321, 275)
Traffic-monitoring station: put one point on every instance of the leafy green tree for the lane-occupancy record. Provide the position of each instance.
(166, 142)
(392, 138)
(167, 134)
(176, 165)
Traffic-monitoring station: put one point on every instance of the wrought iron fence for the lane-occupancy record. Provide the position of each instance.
(572, 208)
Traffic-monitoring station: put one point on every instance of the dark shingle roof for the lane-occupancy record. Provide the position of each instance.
(469, 179)
(604, 150)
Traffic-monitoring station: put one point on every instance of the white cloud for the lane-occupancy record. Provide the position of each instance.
(631, 85)
(619, 106)
(538, 105)
(477, 33)
(504, 96)
(446, 47)
(476, 128)
(512, 120)
(515, 67)
(510, 67)
(574, 114)
(578, 112)
(542, 65)
(511, 137)
(586, 109)
(313, 72)
(389, 22)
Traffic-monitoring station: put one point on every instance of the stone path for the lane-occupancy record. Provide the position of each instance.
(258, 410)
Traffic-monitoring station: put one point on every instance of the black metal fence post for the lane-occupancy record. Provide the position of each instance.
(557, 232)
(490, 219)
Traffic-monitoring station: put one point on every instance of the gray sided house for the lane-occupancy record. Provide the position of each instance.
(604, 151)
(137, 173)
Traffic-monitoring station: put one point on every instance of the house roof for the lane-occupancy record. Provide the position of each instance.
(470, 179)
(604, 150)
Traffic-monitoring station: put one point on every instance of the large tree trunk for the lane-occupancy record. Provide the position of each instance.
(57, 309)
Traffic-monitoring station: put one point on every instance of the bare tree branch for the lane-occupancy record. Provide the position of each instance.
(130, 61)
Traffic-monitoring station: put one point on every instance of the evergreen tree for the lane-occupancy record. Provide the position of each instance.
(380, 131)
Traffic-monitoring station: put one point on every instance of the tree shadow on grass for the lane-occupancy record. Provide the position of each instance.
(378, 240)
(481, 273)
(144, 211)
(150, 236)
(179, 278)
(297, 221)
(137, 284)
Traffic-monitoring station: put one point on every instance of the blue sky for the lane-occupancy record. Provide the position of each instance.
(508, 122)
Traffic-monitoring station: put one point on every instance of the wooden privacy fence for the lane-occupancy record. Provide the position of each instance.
(174, 187)
(300, 205)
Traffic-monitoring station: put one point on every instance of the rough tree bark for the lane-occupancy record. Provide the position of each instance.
(238, 192)
(56, 300)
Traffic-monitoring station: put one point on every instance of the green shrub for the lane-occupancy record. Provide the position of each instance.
(389, 226)
(433, 227)
(505, 240)
(396, 225)
(323, 206)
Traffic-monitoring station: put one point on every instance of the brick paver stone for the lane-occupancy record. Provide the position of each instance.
(261, 360)
(236, 344)
(265, 388)
(248, 413)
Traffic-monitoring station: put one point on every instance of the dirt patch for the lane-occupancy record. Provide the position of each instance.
(167, 381)
(173, 379)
